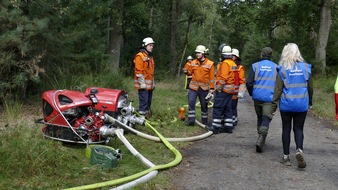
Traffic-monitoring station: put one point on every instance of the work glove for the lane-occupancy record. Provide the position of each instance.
(210, 95)
(142, 82)
(240, 94)
(242, 89)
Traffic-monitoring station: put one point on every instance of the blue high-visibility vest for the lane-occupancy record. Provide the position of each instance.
(295, 96)
(265, 79)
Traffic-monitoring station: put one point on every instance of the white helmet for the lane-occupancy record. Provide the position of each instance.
(226, 50)
(201, 49)
(147, 41)
(189, 58)
(235, 52)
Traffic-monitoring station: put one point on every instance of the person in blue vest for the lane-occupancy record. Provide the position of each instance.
(260, 84)
(293, 92)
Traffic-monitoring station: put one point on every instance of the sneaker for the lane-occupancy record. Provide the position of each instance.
(286, 160)
(300, 159)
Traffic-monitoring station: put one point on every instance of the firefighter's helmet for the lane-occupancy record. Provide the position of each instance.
(235, 52)
(201, 49)
(147, 41)
(226, 50)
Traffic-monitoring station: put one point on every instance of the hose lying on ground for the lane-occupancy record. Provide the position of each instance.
(176, 161)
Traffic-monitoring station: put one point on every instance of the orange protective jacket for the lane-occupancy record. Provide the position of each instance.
(202, 74)
(186, 69)
(144, 67)
(225, 76)
(239, 81)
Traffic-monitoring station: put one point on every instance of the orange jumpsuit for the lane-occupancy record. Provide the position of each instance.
(239, 87)
(144, 80)
(144, 68)
(222, 113)
(185, 70)
(202, 80)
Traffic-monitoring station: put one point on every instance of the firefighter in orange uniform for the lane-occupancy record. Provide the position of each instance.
(239, 85)
(144, 76)
(222, 112)
(185, 70)
(202, 83)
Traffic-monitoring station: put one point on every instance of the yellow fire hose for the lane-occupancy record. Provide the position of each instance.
(176, 161)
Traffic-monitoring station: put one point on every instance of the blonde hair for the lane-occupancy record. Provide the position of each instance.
(290, 56)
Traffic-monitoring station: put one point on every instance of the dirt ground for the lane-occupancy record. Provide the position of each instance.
(230, 161)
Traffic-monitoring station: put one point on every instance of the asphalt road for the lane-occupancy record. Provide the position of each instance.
(230, 161)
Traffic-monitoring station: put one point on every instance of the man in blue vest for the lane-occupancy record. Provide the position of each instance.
(260, 84)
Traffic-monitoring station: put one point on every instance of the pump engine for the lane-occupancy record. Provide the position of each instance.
(73, 116)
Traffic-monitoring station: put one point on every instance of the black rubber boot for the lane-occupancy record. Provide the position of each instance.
(260, 143)
(212, 128)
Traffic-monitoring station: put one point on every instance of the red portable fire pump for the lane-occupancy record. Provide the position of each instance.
(73, 116)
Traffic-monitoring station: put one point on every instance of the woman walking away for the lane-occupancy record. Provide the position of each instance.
(293, 91)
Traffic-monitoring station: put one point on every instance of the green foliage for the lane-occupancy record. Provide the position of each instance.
(39, 36)
(19, 59)
(323, 99)
(63, 79)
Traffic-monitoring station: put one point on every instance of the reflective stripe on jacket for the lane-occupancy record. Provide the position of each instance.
(225, 76)
(202, 74)
(144, 67)
(295, 96)
(265, 79)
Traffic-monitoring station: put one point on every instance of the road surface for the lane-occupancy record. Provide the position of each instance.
(230, 161)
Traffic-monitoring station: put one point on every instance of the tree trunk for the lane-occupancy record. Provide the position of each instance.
(323, 34)
(115, 37)
(173, 36)
(186, 40)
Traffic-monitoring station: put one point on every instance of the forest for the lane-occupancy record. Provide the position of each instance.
(44, 42)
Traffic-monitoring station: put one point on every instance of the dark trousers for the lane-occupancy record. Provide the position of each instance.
(296, 121)
(222, 112)
(188, 82)
(192, 95)
(264, 116)
(145, 98)
(234, 104)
